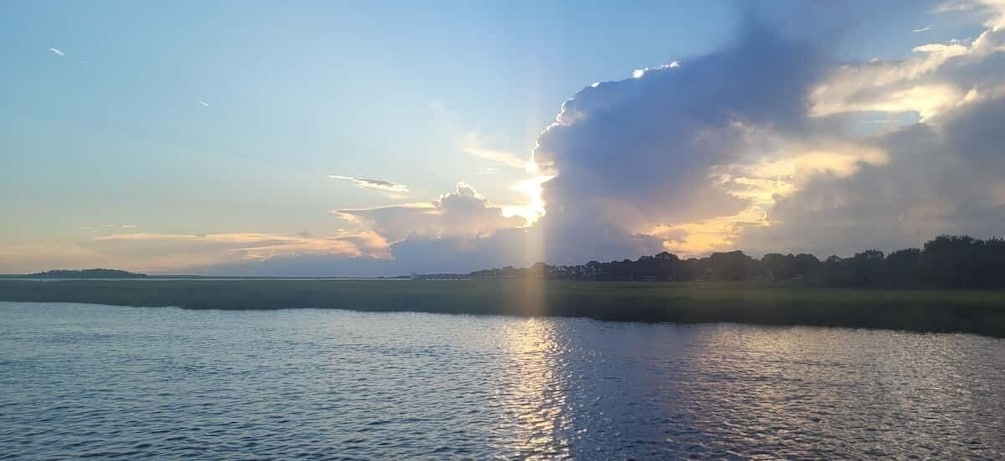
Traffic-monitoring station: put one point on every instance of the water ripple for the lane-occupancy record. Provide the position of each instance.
(109, 382)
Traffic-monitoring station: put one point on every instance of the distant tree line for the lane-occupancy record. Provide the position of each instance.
(945, 262)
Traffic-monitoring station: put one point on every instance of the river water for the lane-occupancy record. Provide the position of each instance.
(120, 382)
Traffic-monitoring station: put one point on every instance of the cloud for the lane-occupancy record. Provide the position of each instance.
(922, 29)
(909, 85)
(463, 213)
(458, 232)
(956, 5)
(746, 146)
(518, 168)
(663, 157)
(534, 209)
(414, 255)
(942, 174)
(190, 253)
(57, 52)
(471, 142)
(944, 178)
(472, 145)
(704, 154)
(937, 77)
(110, 228)
(165, 252)
(395, 189)
(638, 158)
(638, 73)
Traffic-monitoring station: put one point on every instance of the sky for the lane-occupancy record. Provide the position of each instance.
(383, 138)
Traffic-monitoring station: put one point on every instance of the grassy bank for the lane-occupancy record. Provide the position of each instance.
(981, 312)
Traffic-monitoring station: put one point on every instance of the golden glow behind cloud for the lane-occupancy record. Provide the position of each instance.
(776, 168)
(534, 209)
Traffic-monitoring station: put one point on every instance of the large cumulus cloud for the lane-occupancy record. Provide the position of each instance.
(758, 146)
(637, 161)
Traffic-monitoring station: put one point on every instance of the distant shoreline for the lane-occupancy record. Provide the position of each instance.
(181, 278)
(963, 311)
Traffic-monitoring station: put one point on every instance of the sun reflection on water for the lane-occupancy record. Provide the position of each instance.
(536, 401)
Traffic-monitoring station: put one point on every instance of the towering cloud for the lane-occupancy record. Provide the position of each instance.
(758, 146)
(641, 161)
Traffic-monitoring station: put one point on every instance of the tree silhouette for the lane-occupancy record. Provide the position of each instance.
(946, 261)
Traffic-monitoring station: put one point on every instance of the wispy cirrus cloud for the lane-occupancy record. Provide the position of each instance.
(922, 29)
(472, 145)
(57, 51)
(109, 228)
(391, 188)
(956, 5)
(471, 141)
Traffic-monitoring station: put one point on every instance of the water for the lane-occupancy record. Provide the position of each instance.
(123, 382)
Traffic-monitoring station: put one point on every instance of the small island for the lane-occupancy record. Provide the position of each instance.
(87, 274)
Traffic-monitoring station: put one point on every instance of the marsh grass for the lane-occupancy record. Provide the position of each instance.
(981, 312)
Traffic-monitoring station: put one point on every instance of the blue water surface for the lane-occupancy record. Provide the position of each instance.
(119, 382)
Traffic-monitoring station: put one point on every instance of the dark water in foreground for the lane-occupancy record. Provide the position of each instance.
(132, 382)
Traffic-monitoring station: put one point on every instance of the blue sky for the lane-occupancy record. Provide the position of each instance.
(159, 121)
(294, 92)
